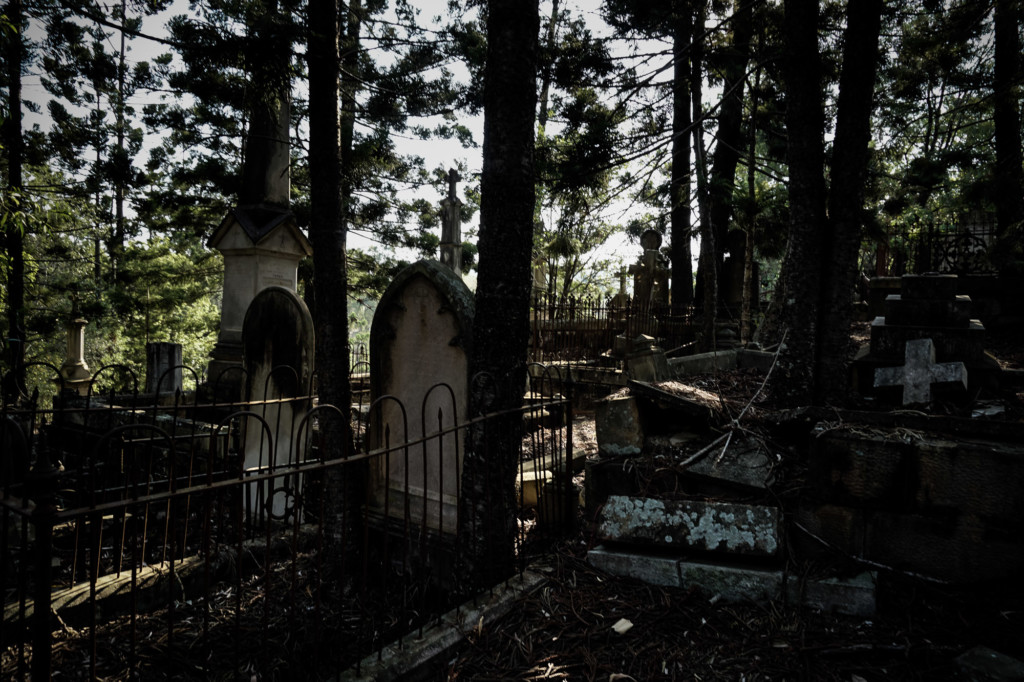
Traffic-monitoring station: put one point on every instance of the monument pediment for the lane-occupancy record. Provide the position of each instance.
(263, 227)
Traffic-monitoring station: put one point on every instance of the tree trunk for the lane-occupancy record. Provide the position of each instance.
(1009, 174)
(747, 307)
(682, 258)
(14, 237)
(328, 234)
(706, 271)
(850, 154)
(545, 85)
(729, 136)
(799, 282)
(501, 327)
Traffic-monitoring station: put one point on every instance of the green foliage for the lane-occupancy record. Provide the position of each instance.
(167, 292)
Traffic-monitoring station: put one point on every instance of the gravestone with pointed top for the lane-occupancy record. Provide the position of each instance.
(920, 372)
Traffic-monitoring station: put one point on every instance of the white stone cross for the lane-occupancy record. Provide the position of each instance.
(919, 372)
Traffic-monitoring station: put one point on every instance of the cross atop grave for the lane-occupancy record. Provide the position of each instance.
(453, 178)
(451, 226)
(920, 372)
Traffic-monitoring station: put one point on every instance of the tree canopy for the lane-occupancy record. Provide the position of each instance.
(683, 117)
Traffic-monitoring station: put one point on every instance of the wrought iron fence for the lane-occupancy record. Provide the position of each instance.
(958, 246)
(136, 542)
(583, 330)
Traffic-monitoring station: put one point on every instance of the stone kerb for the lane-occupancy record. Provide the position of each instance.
(278, 351)
(420, 342)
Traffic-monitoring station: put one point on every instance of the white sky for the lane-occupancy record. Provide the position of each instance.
(445, 153)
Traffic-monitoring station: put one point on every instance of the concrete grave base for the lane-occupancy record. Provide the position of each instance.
(735, 583)
(942, 506)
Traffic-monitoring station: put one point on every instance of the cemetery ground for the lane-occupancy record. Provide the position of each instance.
(585, 623)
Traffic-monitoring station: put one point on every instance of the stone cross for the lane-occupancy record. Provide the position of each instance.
(453, 177)
(451, 227)
(919, 372)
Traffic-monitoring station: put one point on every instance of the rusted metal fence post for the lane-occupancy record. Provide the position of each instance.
(43, 483)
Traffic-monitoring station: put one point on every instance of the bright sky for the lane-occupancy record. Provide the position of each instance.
(445, 153)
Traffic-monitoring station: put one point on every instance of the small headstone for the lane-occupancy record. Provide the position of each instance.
(646, 361)
(920, 372)
(278, 350)
(420, 338)
(618, 427)
(163, 367)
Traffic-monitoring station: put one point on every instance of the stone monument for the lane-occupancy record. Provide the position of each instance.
(259, 239)
(451, 227)
(278, 349)
(420, 341)
(927, 308)
(74, 372)
(650, 275)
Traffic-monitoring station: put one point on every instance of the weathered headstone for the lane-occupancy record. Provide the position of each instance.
(278, 350)
(163, 367)
(920, 372)
(74, 371)
(420, 338)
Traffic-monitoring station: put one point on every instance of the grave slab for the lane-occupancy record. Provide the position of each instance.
(982, 664)
(691, 525)
(732, 583)
(928, 286)
(651, 569)
(704, 363)
(955, 312)
(853, 596)
(744, 463)
(961, 343)
(412, 657)
(920, 372)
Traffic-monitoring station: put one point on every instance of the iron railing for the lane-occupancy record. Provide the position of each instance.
(583, 330)
(136, 543)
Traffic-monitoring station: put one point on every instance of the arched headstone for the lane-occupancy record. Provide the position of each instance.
(421, 336)
(277, 350)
